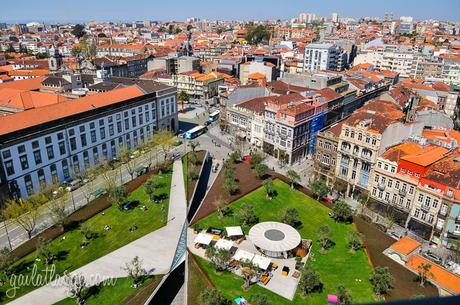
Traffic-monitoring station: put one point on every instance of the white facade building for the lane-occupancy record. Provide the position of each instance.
(55, 143)
(324, 56)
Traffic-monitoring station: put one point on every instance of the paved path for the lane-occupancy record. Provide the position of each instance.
(156, 249)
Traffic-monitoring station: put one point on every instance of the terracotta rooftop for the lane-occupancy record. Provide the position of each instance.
(405, 245)
(21, 120)
(446, 171)
(26, 84)
(20, 99)
(427, 156)
(395, 153)
(440, 276)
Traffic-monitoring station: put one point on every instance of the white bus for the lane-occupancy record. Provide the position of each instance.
(195, 132)
(213, 116)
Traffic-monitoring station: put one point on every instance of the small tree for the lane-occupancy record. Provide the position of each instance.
(57, 210)
(382, 280)
(293, 177)
(344, 295)
(319, 189)
(78, 31)
(220, 203)
(269, 188)
(44, 250)
(183, 97)
(291, 217)
(231, 186)
(235, 156)
(164, 140)
(87, 189)
(88, 234)
(324, 237)
(342, 212)
(75, 285)
(6, 260)
(354, 241)
(135, 271)
(259, 299)
(248, 272)
(150, 186)
(193, 145)
(118, 195)
(218, 257)
(363, 199)
(261, 170)
(256, 158)
(310, 281)
(424, 273)
(24, 213)
(211, 296)
(247, 214)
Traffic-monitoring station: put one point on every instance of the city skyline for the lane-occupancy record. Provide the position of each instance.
(47, 10)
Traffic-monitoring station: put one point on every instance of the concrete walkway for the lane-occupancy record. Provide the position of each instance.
(156, 249)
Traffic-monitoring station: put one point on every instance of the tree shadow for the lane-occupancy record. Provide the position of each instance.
(61, 255)
(23, 266)
(93, 290)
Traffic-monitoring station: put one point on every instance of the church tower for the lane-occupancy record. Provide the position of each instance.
(55, 61)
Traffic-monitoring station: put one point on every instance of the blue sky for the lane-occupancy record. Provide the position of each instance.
(81, 10)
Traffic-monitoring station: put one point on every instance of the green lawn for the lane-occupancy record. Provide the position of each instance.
(196, 282)
(120, 293)
(337, 267)
(67, 247)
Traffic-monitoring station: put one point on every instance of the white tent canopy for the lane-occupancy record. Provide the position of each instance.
(261, 262)
(242, 255)
(234, 231)
(224, 244)
(203, 238)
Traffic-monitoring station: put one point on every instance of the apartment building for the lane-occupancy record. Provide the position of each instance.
(418, 180)
(324, 56)
(123, 50)
(195, 84)
(53, 143)
(283, 126)
(175, 64)
(399, 59)
(364, 136)
(325, 156)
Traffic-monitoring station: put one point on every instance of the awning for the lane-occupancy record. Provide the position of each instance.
(203, 238)
(224, 244)
(242, 255)
(234, 231)
(261, 262)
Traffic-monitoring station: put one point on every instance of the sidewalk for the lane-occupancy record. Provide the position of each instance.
(156, 250)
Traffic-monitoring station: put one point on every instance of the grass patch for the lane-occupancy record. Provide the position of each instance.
(336, 267)
(196, 282)
(120, 293)
(71, 256)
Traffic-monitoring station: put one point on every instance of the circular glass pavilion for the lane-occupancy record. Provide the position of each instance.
(274, 239)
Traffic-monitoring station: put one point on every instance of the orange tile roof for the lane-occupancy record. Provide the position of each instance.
(19, 99)
(33, 72)
(21, 120)
(405, 245)
(395, 153)
(440, 276)
(26, 84)
(428, 156)
(256, 75)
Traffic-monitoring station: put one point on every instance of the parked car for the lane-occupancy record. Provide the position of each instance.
(433, 257)
(73, 185)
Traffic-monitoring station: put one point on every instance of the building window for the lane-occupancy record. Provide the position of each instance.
(24, 162)
(93, 136)
(92, 125)
(9, 168)
(29, 185)
(86, 159)
(48, 140)
(61, 148)
(82, 129)
(420, 198)
(435, 203)
(21, 149)
(50, 152)
(6, 154)
(408, 202)
(71, 132)
(73, 144)
(65, 169)
(411, 189)
(41, 178)
(83, 139)
(60, 136)
(34, 144)
(102, 133)
(37, 157)
(54, 175)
